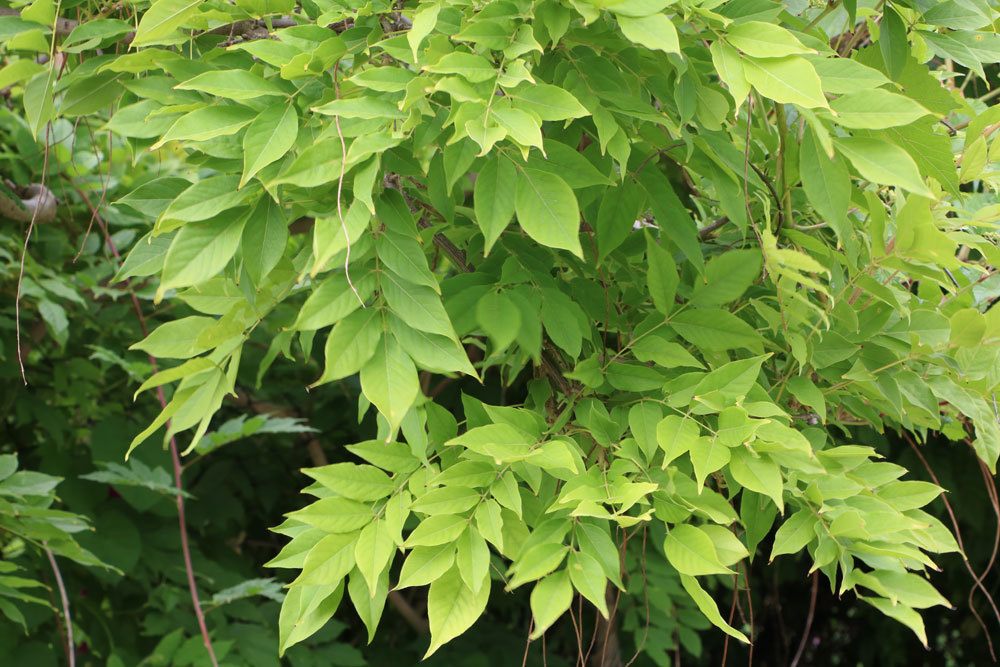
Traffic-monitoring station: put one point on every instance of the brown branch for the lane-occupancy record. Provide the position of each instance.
(708, 230)
(809, 621)
(174, 455)
(64, 598)
(63, 26)
(976, 579)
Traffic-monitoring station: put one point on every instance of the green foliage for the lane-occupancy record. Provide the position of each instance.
(27, 516)
(749, 236)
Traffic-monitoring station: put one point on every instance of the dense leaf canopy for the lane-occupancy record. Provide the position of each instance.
(691, 256)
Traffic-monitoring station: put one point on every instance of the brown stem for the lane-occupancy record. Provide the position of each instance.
(175, 457)
(708, 230)
(809, 621)
(63, 26)
(976, 579)
(732, 615)
(64, 598)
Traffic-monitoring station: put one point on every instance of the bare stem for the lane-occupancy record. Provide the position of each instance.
(174, 455)
(64, 599)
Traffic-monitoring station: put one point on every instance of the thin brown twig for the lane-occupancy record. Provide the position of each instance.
(64, 599)
(809, 621)
(746, 578)
(104, 189)
(732, 615)
(577, 634)
(977, 580)
(645, 597)
(174, 455)
(527, 642)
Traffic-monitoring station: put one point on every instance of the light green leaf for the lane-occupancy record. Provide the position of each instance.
(794, 534)
(269, 138)
(473, 68)
(708, 454)
(661, 276)
(200, 250)
(473, 559)
(655, 32)
(494, 197)
(708, 607)
(333, 300)
(882, 162)
(764, 40)
(843, 75)
(305, 610)
(207, 123)
(265, 237)
(353, 481)
(729, 66)
(875, 110)
(438, 529)
(424, 21)
(788, 80)
(418, 306)
(452, 608)
(547, 210)
(691, 551)
(676, 436)
(176, 339)
(233, 84)
(758, 474)
(727, 277)
(826, 182)
(161, 19)
(548, 102)
(373, 551)
(713, 329)
(550, 599)
(389, 381)
(426, 564)
(588, 578)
